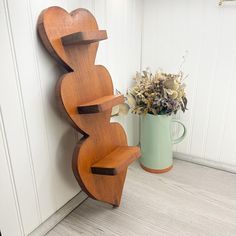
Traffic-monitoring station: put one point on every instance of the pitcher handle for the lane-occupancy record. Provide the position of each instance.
(178, 140)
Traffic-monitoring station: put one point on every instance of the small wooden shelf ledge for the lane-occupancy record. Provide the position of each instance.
(116, 161)
(84, 37)
(100, 104)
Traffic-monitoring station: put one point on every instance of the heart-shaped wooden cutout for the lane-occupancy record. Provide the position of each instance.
(55, 22)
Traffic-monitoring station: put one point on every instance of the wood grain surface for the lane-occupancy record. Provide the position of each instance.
(116, 161)
(84, 37)
(101, 104)
(85, 95)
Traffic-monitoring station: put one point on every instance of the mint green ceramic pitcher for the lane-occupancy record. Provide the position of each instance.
(156, 142)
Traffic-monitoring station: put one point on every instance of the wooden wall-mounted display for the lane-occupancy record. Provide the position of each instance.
(85, 94)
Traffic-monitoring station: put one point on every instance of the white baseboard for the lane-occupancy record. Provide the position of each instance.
(59, 215)
(204, 162)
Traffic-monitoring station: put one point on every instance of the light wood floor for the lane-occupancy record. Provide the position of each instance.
(189, 200)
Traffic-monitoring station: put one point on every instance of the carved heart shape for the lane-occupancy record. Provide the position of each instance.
(55, 22)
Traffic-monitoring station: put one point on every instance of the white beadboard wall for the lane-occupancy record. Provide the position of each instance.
(36, 144)
(208, 33)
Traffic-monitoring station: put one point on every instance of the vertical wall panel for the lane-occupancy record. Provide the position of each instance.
(100, 12)
(8, 201)
(206, 76)
(133, 33)
(74, 4)
(116, 43)
(206, 31)
(12, 108)
(124, 52)
(220, 96)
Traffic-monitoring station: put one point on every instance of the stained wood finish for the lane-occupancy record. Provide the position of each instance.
(84, 37)
(101, 104)
(86, 82)
(116, 161)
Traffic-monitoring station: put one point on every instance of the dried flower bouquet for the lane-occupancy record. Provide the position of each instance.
(158, 94)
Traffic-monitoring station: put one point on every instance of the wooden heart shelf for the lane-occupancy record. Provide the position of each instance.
(84, 37)
(85, 93)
